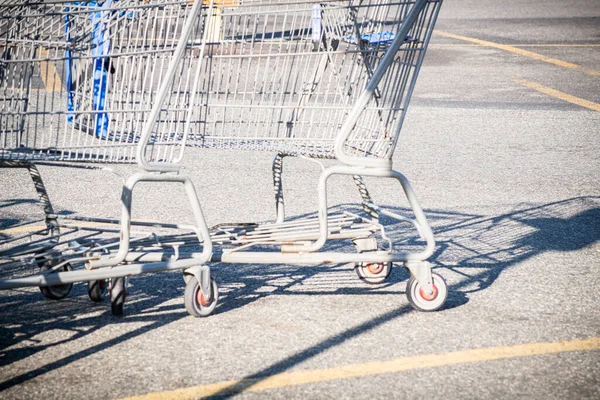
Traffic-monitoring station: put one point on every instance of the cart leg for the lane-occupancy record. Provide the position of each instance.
(36, 177)
(366, 196)
(420, 220)
(422, 223)
(278, 184)
(126, 199)
(418, 268)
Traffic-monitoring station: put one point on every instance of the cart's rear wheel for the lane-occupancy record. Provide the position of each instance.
(373, 273)
(198, 304)
(56, 292)
(422, 301)
(97, 290)
(118, 292)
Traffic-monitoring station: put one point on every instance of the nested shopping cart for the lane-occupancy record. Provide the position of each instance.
(129, 81)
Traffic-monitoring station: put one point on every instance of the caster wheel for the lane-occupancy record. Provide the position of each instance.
(118, 292)
(97, 290)
(197, 304)
(55, 292)
(373, 273)
(422, 301)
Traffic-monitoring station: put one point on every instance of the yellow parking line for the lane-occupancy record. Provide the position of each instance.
(558, 45)
(517, 44)
(559, 95)
(375, 368)
(519, 51)
(454, 45)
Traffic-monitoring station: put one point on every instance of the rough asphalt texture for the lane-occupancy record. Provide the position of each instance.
(508, 176)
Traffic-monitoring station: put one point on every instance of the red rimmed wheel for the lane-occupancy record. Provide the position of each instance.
(373, 273)
(197, 303)
(423, 301)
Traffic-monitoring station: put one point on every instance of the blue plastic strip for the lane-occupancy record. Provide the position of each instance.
(100, 48)
(69, 75)
(374, 38)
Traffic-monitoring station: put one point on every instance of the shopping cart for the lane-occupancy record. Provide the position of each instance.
(124, 81)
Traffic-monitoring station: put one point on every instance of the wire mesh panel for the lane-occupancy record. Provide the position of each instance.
(78, 79)
(285, 75)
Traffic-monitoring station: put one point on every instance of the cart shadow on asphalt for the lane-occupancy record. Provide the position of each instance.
(475, 242)
(13, 202)
(11, 220)
(472, 251)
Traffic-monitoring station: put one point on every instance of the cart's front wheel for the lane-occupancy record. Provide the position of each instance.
(373, 273)
(423, 301)
(118, 292)
(97, 290)
(197, 303)
(56, 292)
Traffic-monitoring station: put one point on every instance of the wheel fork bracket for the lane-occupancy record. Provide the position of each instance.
(202, 275)
(422, 272)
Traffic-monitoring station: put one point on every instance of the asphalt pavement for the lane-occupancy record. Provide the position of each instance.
(501, 143)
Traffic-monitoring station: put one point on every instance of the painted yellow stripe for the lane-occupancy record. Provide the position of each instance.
(519, 51)
(52, 81)
(559, 95)
(558, 45)
(375, 368)
(518, 45)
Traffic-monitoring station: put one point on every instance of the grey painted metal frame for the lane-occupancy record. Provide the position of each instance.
(126, 200)
(358, 163)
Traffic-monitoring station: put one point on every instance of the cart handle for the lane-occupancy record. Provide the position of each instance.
(367, 94)
(165, 87)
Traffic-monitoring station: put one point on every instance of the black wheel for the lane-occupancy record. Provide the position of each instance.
(197, 304)
(55, 292)
(97, 290)
(373, 273)
(118, 292)
(420, 300)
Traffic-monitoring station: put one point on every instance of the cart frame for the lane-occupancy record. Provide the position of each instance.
(123, 262)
